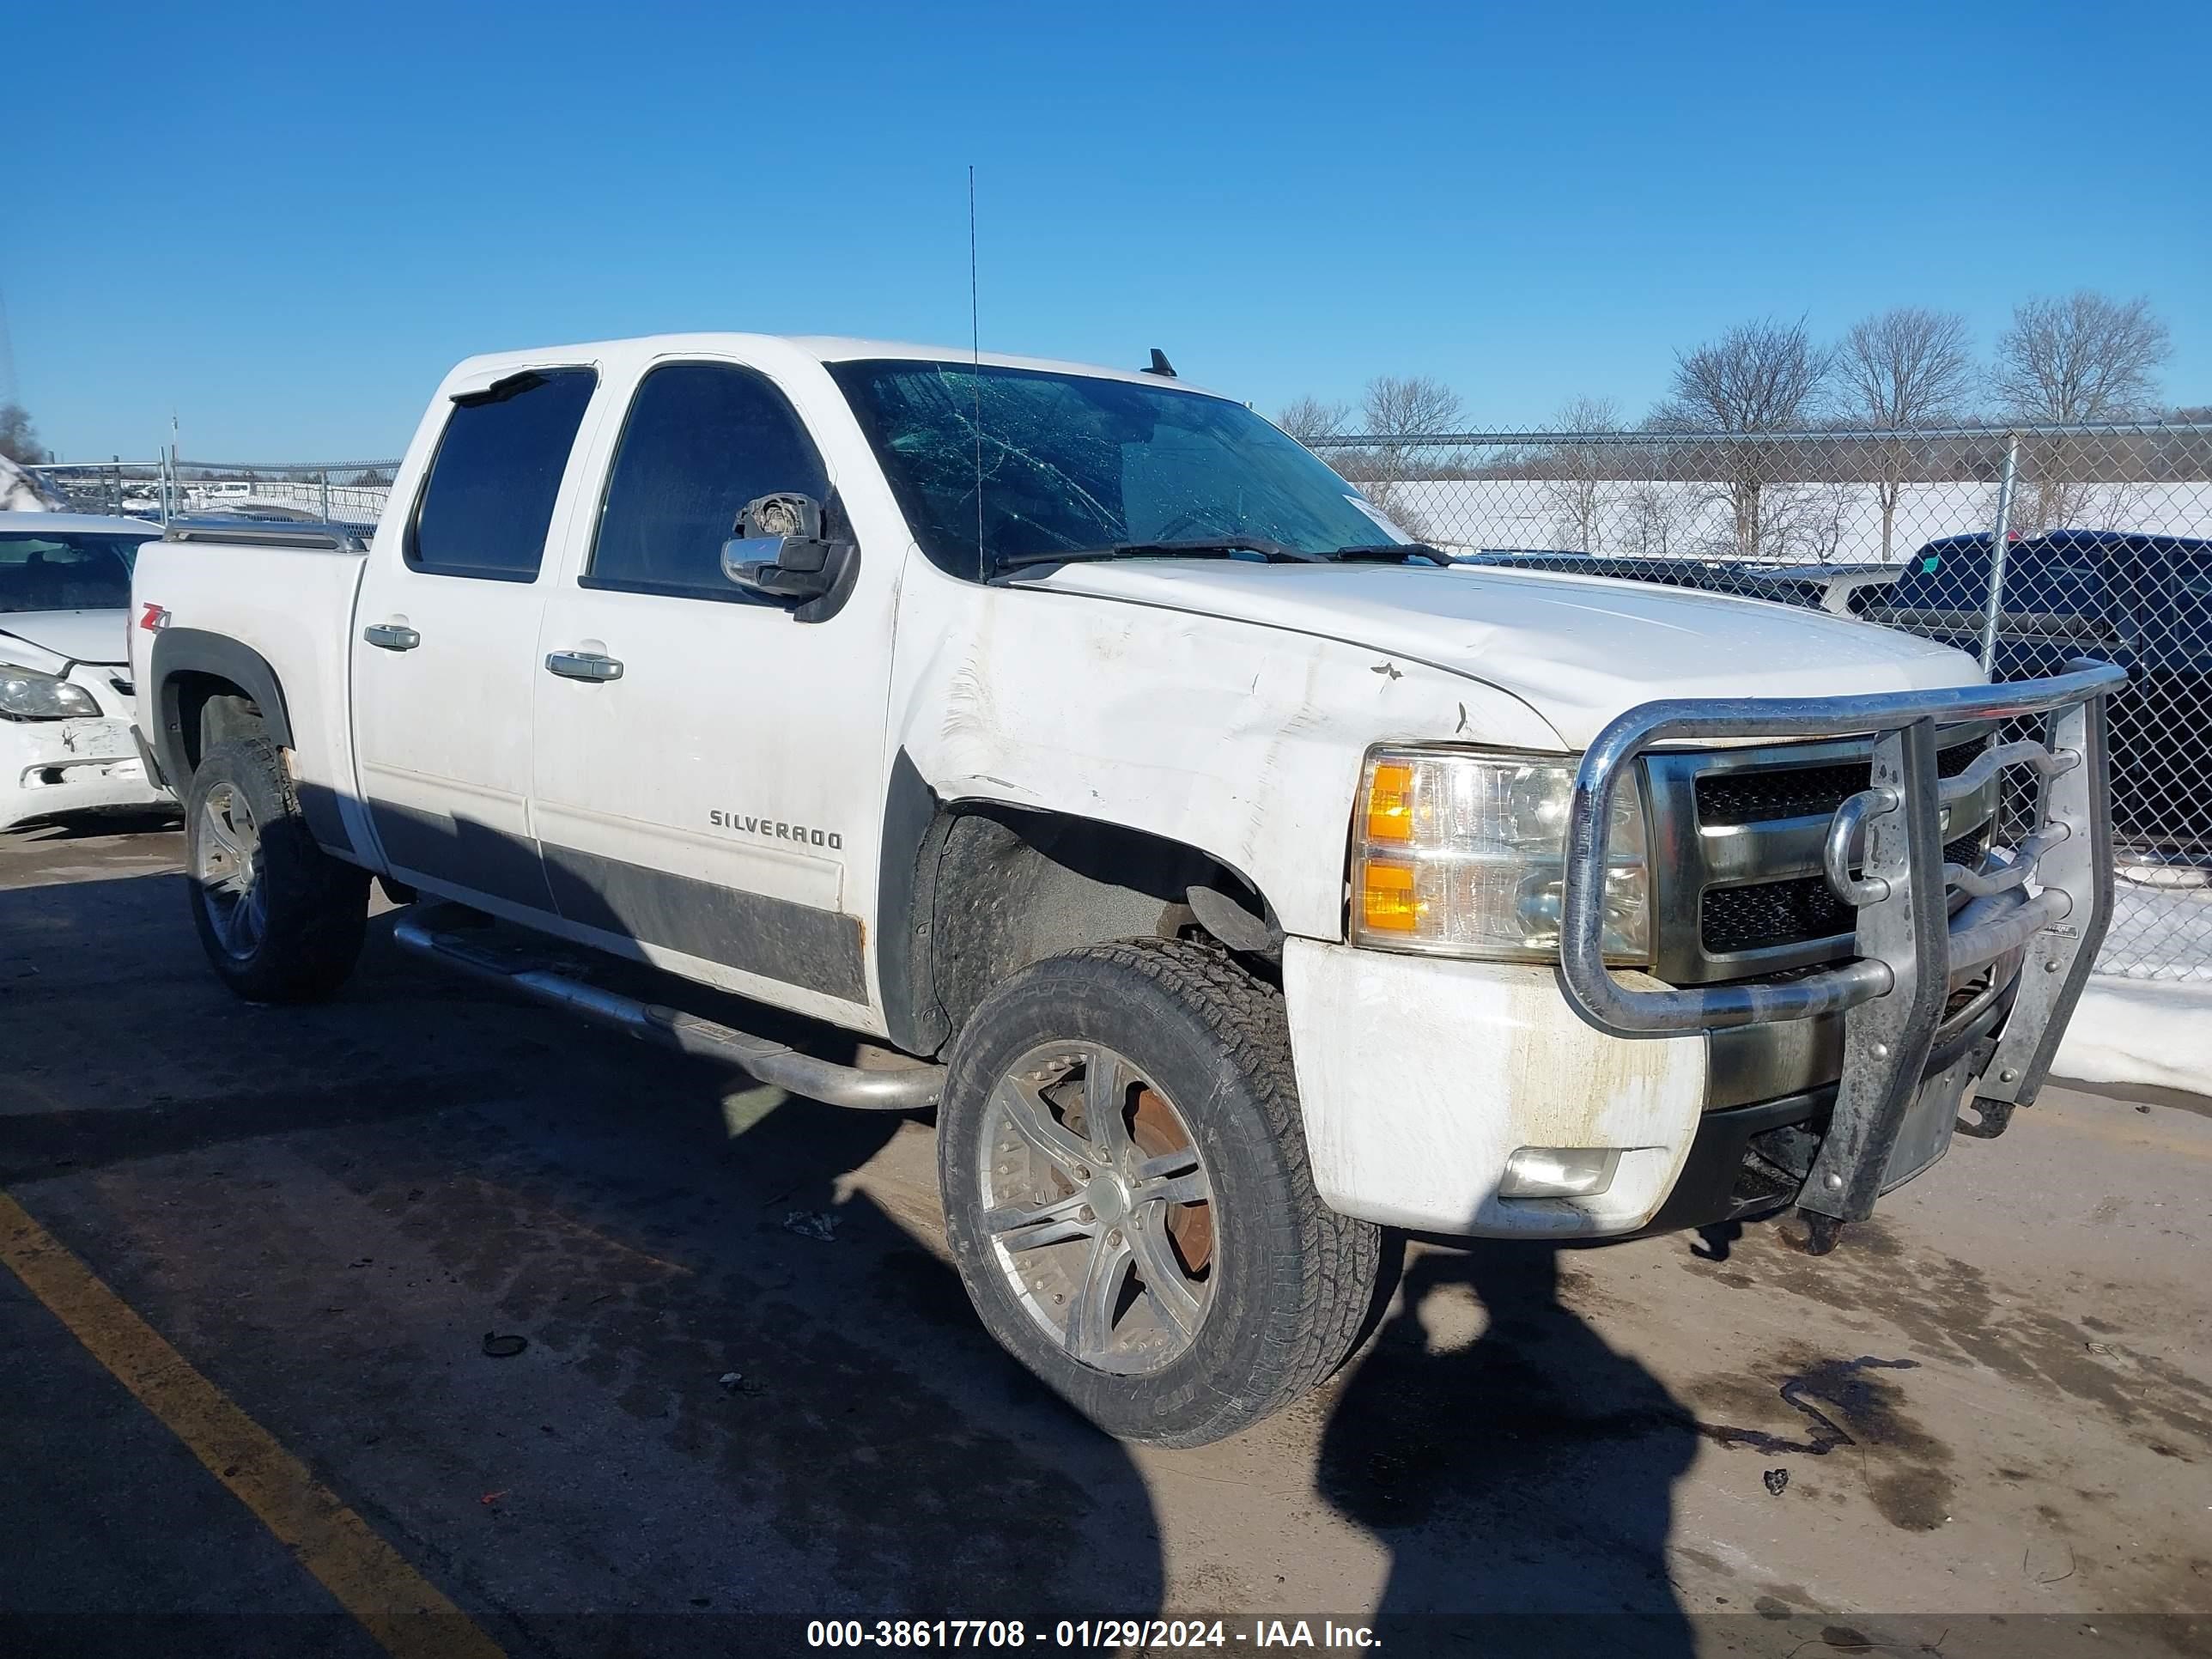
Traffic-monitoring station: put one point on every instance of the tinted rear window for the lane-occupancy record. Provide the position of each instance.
(490, 501)
(2058, 575)
(1941, 576)
(66, 571)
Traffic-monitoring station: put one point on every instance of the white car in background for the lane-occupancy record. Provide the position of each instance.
(65, 691)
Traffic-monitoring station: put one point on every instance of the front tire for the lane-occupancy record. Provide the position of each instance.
(280, 919)
(1127, 1197)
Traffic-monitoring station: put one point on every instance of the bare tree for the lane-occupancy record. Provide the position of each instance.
(1397, 409)
(18, 436)
(1906, 367)
(1655, 514)
(1307, 418)
(1398, 404)
(1759, 377)
(1765, 376)
(1577, 474)
(2080, 357)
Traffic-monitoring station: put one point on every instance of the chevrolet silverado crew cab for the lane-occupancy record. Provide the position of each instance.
(1234, 877)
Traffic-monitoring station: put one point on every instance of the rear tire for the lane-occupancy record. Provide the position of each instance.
(280, 919)
(1171, 1273)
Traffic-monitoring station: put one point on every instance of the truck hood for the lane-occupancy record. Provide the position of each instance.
(1578, 650)
(31, 638)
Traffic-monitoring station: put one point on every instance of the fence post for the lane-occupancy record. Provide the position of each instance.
(1994, 606)
(326, 494)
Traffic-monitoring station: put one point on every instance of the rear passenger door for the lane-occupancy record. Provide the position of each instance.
(706, 796)
(445, 644)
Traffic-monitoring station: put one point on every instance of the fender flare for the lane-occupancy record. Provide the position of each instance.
(179, 651)
(916, 824)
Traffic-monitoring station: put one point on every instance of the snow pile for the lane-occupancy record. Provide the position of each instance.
(20, 491)
(2161, 924)
(2134, 1031)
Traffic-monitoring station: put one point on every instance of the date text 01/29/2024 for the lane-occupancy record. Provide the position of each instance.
(1109, 1634)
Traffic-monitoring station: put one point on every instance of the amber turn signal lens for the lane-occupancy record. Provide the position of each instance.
(1390, 805)
(1387, 903)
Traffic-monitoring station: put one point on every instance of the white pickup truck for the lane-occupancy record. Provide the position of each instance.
(1234, 877)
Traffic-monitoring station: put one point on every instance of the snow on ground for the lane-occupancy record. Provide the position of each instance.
(2147, 1014)
(2146, 1031)
(1831, 522)
(2159, 930)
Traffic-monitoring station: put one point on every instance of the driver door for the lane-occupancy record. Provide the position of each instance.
(705, 780)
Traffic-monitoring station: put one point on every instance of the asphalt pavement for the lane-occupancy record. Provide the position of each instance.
(423, 1321)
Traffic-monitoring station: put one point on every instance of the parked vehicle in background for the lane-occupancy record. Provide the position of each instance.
(65, 688)
(1808, 584)
(1235, 880)
(2142, 601)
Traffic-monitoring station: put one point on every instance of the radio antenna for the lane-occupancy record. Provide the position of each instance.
(976, 372)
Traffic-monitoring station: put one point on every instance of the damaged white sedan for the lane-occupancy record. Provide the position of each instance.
(66, 690)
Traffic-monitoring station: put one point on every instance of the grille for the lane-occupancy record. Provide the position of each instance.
(1791, 912)
(1728, 798)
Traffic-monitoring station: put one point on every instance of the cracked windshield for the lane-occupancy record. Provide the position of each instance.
(1071, 462)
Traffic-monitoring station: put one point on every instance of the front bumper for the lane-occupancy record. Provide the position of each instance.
(1410, 1119)
(49, 768)
(1420, 1077)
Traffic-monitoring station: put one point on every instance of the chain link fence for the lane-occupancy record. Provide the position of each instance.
(339, 492)
(117, 486)
(2102, 539)
(2025, 547)
(334, 492)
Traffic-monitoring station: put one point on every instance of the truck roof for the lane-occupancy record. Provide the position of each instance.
(765, 348)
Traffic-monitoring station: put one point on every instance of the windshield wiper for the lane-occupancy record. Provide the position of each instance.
(1391, 552)
(1213, 547)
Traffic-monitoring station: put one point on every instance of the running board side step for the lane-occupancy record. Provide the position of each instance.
(907, 1089)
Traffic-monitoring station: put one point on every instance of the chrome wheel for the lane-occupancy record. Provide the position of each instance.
(226, 865)
(1099, 1207)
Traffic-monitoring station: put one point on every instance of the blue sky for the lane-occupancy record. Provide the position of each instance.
(285, 223)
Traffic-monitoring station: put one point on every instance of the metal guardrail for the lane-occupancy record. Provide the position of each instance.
(1893, 993)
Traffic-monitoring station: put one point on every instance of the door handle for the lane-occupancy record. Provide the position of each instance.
(392, 636)
(584, 666)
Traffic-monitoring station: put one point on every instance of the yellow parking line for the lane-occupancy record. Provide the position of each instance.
(393, 1602)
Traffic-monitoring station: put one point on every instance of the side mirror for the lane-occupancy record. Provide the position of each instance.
(780, 552)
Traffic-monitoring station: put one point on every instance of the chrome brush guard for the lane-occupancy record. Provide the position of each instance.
(2050, 892)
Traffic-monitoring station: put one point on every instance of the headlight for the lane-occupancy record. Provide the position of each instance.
(1461, 855)
(28, 695)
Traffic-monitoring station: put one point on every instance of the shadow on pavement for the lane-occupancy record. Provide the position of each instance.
(1521, 1476)
(718, 1411)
